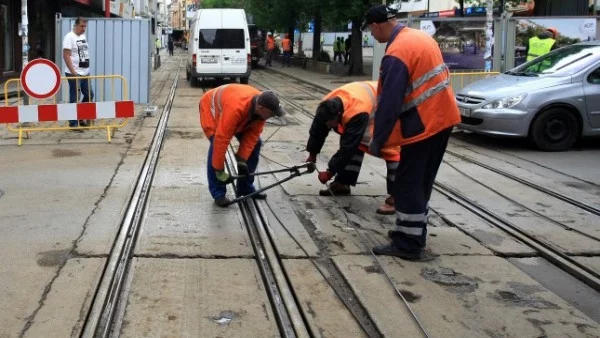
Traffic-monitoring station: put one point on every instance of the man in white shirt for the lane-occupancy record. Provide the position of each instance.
(77, 63)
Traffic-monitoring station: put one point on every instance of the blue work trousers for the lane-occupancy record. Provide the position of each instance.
(243, 186)
(86, 90)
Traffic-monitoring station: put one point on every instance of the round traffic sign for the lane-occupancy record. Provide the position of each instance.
(40, 78)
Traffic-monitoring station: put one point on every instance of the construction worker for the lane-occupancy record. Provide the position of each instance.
(241, 111)
(286, 46)
(416, 110)
(348, 110)
(270, 49)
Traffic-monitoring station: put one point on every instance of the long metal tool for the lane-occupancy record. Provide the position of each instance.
(295, 172)
(307, 165)
(106, 299)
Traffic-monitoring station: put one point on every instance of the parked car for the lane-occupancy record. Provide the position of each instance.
(255, 44)
(219, 45)
(553, 100)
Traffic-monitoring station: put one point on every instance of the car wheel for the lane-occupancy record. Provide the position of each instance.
(254, 64)
(555, 129)
(194, 82)
(244, 80)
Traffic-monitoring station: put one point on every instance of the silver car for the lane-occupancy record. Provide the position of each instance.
(553, 100)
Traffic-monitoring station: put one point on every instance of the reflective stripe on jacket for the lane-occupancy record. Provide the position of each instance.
(226, 111)
(360, 97)
(539, 47)
(415, 100)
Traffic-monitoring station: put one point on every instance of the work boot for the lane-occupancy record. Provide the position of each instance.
(337, 189)
(388, 207)
(391, 250)
(222, 201)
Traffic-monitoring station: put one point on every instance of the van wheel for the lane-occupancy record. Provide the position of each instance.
(194, 82)
(244, 80)
(555, 129)
(254, 64)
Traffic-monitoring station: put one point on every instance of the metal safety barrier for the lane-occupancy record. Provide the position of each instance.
(28, 114)
(459, 80)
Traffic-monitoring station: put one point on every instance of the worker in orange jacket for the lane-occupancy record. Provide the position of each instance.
(348, 111)
(416, 110)
(235, 110)
(270, 44)
(286, 45)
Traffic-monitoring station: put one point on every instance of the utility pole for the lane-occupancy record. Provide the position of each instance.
(489, 35)
(24, 39)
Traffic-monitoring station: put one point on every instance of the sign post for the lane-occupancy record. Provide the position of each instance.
(40, 79)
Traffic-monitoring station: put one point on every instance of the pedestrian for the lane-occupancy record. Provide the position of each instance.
(157, 43)
(240, 111)
(171, 46)
(541, 44)
(270, 43)
(286, 45)
(416, 110)
(366, 41)
(77, 64)
(348, 47)
(347, 110)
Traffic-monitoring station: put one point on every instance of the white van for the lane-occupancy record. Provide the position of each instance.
(219, 45)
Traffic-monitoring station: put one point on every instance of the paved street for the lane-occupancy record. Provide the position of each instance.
(195, 270)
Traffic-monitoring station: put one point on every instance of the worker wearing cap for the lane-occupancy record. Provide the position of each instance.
(416, 110)
(235, 110)
(541, 44)
(348, 111)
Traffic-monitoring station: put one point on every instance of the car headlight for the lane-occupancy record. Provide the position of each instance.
(506, 102)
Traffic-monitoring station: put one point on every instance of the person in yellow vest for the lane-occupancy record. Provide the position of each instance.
(541, 44)
(416, 111)
(348, 110)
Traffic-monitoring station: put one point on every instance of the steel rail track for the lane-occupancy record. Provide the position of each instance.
(591, 209)
(99, 322)
(546, 249)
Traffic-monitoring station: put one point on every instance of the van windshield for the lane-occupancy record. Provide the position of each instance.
(222, 39)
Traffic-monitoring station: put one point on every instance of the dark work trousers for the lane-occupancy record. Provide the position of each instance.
(349, 175)
(419, 164)
(243, 186)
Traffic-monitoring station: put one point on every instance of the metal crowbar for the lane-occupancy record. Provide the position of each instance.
(295, 172)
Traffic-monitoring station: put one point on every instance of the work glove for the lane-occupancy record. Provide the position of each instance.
(223, 177)
(325, 176)
(312, 158)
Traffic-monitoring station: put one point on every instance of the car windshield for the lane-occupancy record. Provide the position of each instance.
(563, 61)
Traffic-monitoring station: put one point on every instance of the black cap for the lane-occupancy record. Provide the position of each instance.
(271, 101)
(378, 14)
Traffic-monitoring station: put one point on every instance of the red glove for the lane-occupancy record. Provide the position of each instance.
(312, 158)
(325, 176)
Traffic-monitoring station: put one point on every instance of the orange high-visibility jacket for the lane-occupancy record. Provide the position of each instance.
(270, 43)
(360, 97)
(429, 104)
(226, 111)
(286, 44)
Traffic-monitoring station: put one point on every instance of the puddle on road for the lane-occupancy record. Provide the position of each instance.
(65, 153)
(53, 257)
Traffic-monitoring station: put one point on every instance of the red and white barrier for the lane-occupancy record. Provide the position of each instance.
(67, 111)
